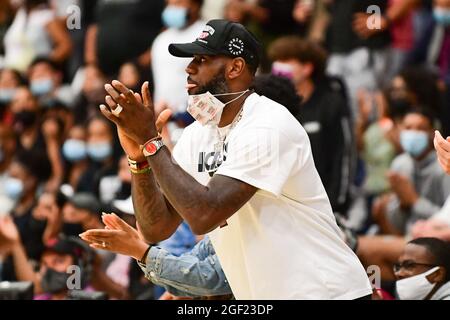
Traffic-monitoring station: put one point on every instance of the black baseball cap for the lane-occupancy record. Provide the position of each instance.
(85, 201)
(221, 37)
(64, 245)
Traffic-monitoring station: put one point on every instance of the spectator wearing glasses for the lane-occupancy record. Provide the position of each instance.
(422, 270)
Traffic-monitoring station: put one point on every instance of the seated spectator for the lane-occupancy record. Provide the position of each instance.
(131, 75)
(10, 81)
(27, 172)
(117, 186)
(60, 254)
(91, 95)
(74, 151)
(46, 78)
(7, 151)
(433, 46)
(47, 216)
(81, 213)
(101, 150)
(35, 32)
(323, 113)
(422, 270)
(419, 186)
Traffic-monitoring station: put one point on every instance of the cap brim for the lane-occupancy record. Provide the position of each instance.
(188, 50)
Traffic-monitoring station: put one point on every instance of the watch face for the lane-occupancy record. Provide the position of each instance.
(151, 148)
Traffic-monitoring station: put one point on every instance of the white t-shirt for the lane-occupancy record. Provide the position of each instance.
(27, 38)
(284, 243)
(169, 72)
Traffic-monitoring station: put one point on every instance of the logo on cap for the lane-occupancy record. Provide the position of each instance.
(208, 31)
(236, 46)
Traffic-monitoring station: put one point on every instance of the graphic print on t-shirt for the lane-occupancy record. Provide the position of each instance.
(210, 161)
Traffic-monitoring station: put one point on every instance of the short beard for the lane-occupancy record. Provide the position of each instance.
(217, 85)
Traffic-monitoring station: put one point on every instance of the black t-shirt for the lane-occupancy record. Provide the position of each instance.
(281, 21)
(126, 29)
(325, 117)
(340, 35)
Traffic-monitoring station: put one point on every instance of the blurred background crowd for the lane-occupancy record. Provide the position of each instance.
(373, 89)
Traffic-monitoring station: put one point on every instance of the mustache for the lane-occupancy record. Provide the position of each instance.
(189, 80)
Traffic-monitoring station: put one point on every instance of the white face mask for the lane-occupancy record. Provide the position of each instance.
(207, 109)
(416, 287)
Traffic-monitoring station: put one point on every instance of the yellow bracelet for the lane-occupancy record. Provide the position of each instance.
(143, 171)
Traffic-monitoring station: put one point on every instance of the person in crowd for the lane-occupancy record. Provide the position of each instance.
(91, 93)
(74, 151)
(55, 267)
(323, 113)
(419, 186)
(81, 213)
(27, 172)
(118, 185)
(35, 32)
(100, 148)
(433, 47)
(45, 78)
(422, 270)
(10, 81)
(8, 147)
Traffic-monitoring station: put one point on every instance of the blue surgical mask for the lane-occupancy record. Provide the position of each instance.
(74, 150)
(6, 95)
(175, 17)
(414, 142)
(442, 16)
(99, 151)
(13, 188)
(41, 87)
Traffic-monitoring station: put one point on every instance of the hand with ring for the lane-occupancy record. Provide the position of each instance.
(119, 237)
(134, 115)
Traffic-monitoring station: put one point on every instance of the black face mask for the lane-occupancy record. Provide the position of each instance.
(25, 119)
(72, 229)
(54, 281)
(37, 227)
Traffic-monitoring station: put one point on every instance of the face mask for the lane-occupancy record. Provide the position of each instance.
(175, 17)
(442, 16)
(416, 287)
(414, 142)
(207, 109)
(25, 119)
(37, 227)
(99, 151)
(41, 87)
(6, 95)
(13, 188)
(74, 150)
(284, 70)
(72, 229)
(54, 281)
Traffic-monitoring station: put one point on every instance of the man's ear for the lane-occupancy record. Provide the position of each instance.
(438, 276)
(235, 68)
